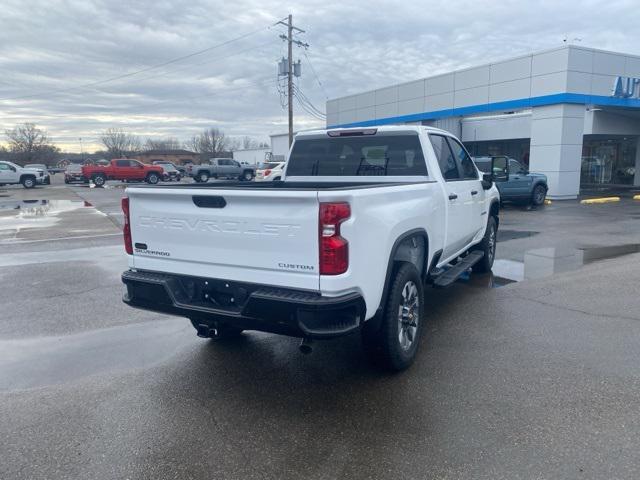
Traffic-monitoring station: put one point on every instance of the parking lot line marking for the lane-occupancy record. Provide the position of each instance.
(18, 242)
(591, 201)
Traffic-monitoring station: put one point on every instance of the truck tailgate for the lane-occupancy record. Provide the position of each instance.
(256, 236)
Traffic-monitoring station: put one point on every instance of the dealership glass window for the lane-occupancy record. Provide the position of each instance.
(608, 160)
(518, 149)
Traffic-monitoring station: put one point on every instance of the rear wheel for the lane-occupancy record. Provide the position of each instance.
(247, 176)
(488, 246)
(99, 180)
(539, 195)
(203, 177)
(394, 343)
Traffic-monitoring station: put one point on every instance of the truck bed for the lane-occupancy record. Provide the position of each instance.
(283, 185)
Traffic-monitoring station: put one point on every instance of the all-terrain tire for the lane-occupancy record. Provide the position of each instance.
(488, 246)
(538, 195)
(394, 342)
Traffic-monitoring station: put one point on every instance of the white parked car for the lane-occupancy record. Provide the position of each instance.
(10, 173)
(270, 172)
(363, 220)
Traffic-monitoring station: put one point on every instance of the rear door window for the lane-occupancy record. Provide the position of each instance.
(122, 163)
(446, 160)
(469, 171)
(365, 155)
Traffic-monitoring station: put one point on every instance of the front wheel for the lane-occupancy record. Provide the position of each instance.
(488, 246)
(247, 176)
(153, 178)
(539, 195)
(393, 344)
(29, 182)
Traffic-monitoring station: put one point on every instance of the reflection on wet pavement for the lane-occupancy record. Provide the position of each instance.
(18, 216)
(37, 362)
(544, 262)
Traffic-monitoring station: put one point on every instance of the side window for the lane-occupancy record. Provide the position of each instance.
(122, 163)
(223, 163)
(446, 160)
(4, 166)
(469, 171)
(515, 166)
(235, 164)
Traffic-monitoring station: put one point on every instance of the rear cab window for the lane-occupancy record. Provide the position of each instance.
(387, 154)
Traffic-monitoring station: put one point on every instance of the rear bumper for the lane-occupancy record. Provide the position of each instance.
(217, 302)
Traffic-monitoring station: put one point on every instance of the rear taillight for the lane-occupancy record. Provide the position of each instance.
(334, 250)
(266, 173)
(126, 229)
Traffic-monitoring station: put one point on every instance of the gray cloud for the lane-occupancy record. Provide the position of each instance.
(61, 45)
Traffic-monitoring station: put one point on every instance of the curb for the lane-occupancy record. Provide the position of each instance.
(593, 201)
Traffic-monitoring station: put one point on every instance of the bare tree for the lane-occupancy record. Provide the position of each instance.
(210, 143)
(30, 144)
(119, 143)
(169, 143)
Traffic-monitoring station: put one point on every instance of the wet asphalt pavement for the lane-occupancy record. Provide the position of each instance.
(536, 379)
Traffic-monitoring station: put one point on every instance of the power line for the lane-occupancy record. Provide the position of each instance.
(143, 70)
(304, 98)
(313, 70)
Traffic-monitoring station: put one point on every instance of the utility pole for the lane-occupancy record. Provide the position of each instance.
(290, 76)
(288, 22)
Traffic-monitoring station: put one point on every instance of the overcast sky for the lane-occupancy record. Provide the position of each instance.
(57, 57)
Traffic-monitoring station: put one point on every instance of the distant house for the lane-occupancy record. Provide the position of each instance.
(179, 157)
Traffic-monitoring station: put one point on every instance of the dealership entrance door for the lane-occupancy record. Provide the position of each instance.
(608, 161)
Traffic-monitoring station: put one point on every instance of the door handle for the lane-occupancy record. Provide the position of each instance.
(453, 196)
(474, 192)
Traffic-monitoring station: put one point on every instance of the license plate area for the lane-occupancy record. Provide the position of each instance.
(213, 293)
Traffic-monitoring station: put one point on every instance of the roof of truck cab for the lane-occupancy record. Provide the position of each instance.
(380, 129)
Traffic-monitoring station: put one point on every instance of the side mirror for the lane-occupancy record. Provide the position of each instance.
(13, 169)
(500, 169)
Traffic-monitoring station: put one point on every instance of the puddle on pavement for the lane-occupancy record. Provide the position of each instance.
(544, 262)
(17, 215)
(505, 235)
(39, 362)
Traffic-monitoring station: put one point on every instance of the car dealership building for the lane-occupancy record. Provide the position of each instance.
(572, 113)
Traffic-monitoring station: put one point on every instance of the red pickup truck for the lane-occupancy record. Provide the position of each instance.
(122, 169)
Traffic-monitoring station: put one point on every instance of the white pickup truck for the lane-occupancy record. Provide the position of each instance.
(10, 173)
(361, 221)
